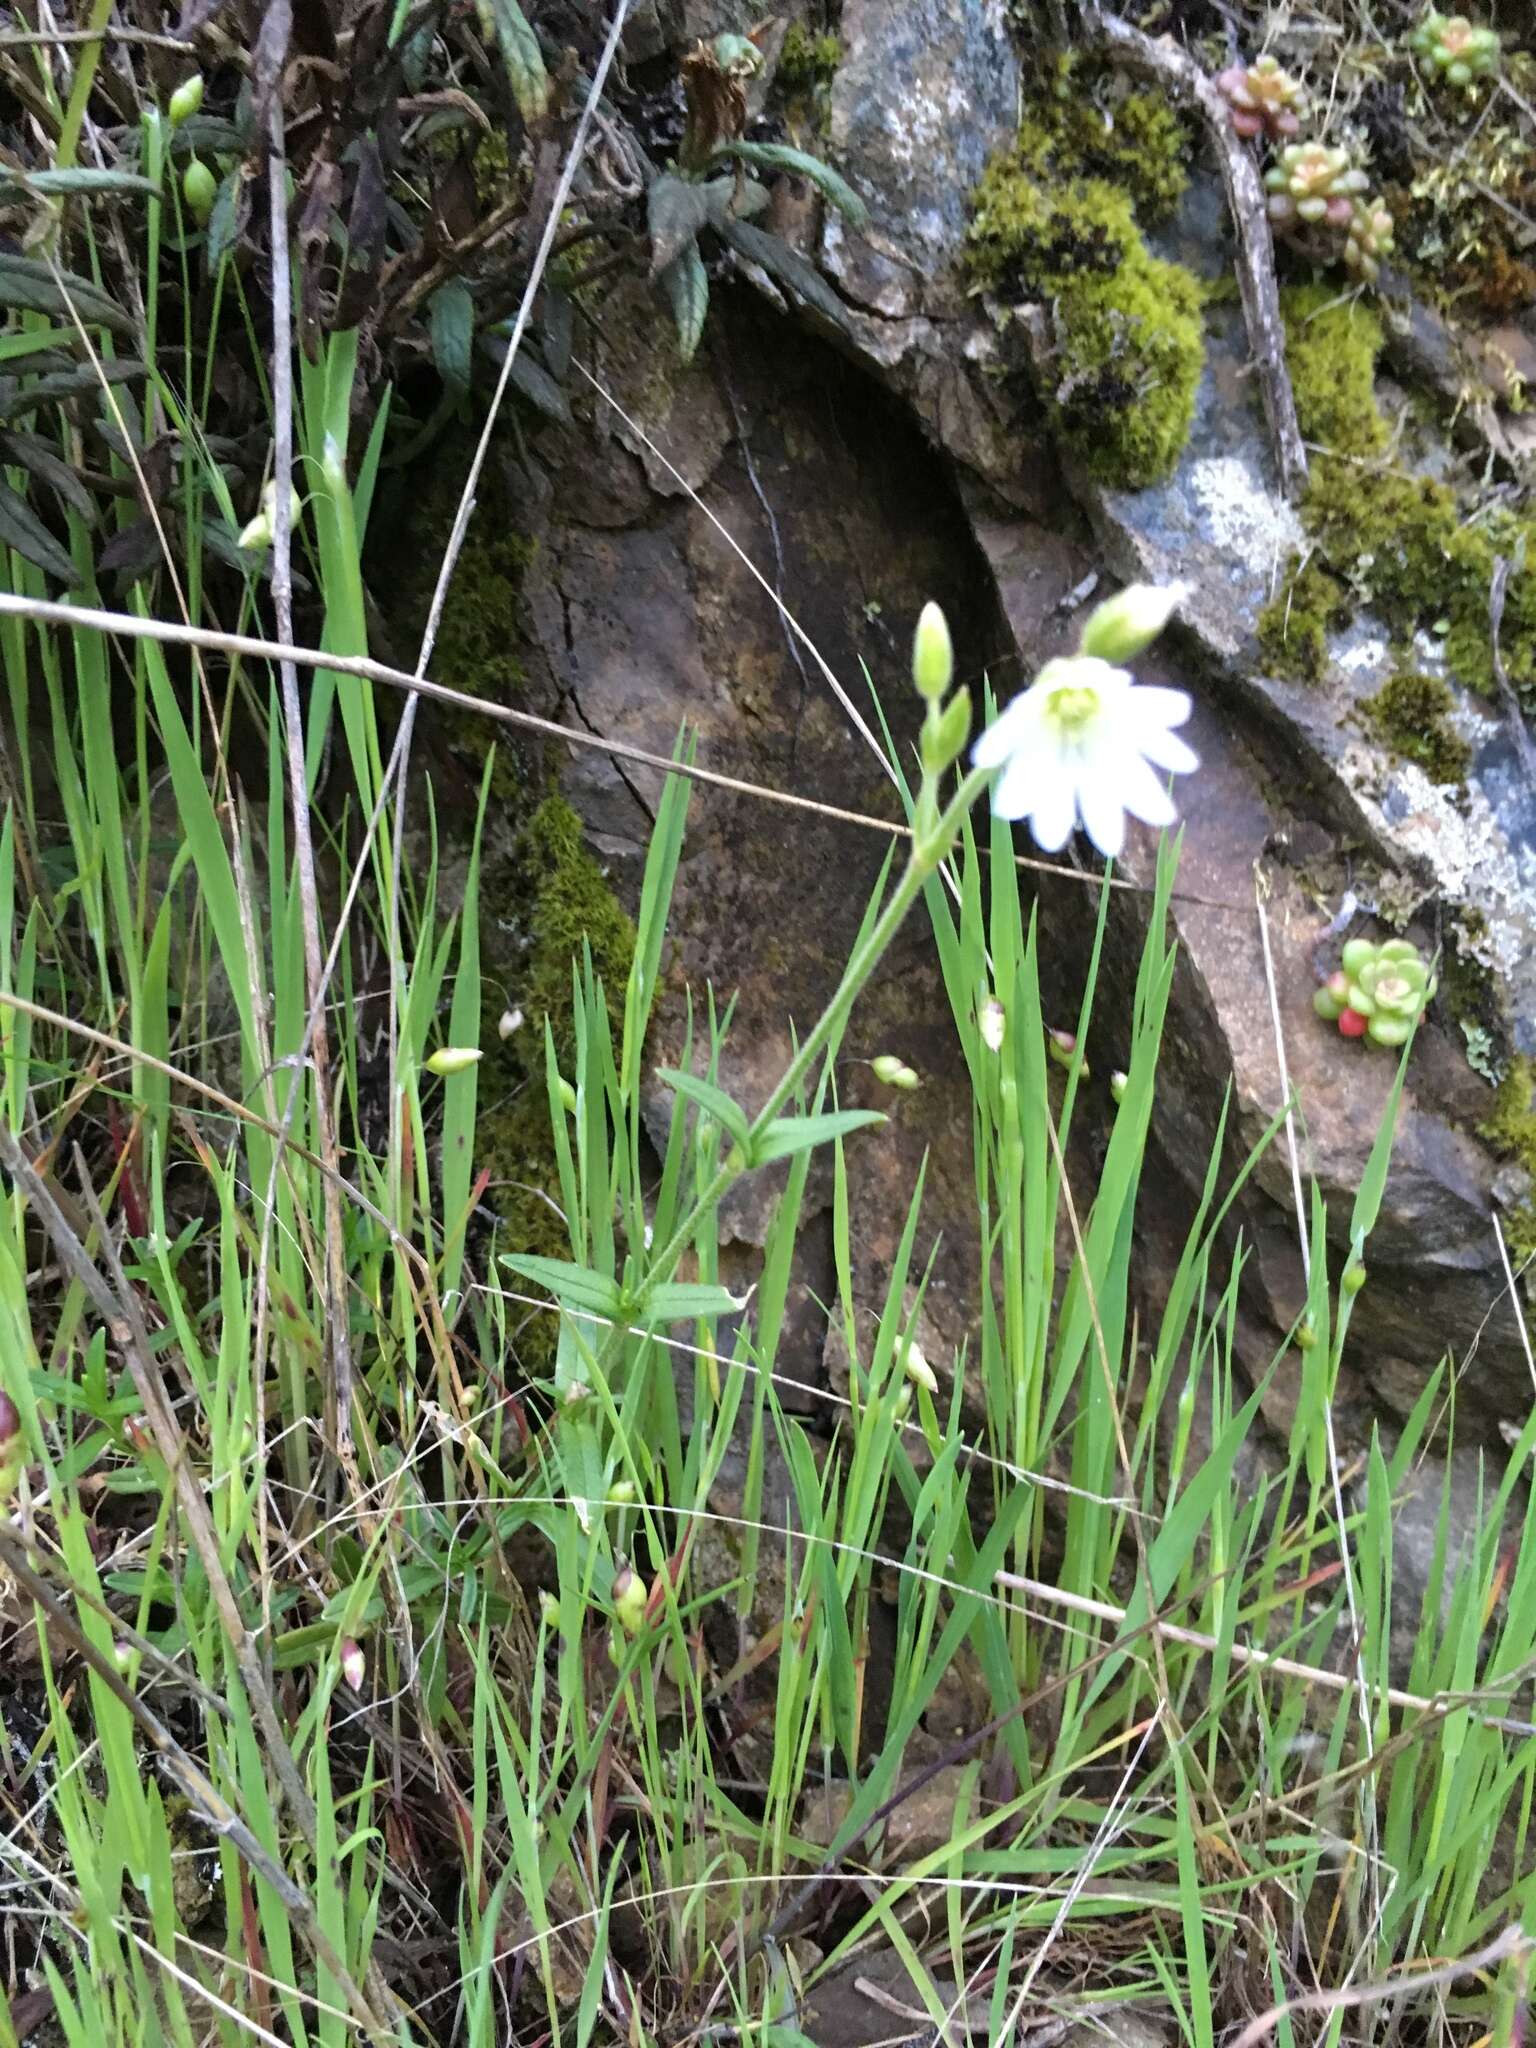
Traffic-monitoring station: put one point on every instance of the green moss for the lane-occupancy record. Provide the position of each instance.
(1084, 120)
(555, 893)
(1128, 342)
(1512, 1130)
(1293, 628)
(1410, 714)
(806, 60)
(1401, 543)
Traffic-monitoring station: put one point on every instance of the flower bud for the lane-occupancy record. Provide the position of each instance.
(258, 534)
(127, 1660)
(1352, 1279)
(1352, 1024)
(895, 1073)
(453, 1059)
(902, 1406)
(567, 1095)
(1122, 627)
(630, 1594)
(918, 1370)
(945, 732)
(10, 1446)
(1118, 1083)
(186, 99)
(199, 189)
(577, 1394)
(1306, 1335)
(509, 1022)
(1062, 1047)
(992, 1022)
(549, 1609)
(621, 1493)
(354, 1665)
(933, 656)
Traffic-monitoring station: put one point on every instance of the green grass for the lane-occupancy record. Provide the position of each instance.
(1175, 1784)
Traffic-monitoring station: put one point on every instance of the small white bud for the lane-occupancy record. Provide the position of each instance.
(354, 1665)
(509, 1022)
(918, 1370)
(894, 1072)
(933, 655)
(453, 1059)
(992, 1020)
(1124, 626)
(1118, 1083)
(549, 1609)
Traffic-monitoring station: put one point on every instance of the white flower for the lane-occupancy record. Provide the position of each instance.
(1082, 742)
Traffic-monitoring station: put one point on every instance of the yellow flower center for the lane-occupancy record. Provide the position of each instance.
(1073, 707)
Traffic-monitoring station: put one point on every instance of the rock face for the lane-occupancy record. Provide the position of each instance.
(900, 464)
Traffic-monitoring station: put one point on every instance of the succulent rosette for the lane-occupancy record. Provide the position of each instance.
(1264, 98)
(1378, 991)
(1458, 51)
(1312, 182)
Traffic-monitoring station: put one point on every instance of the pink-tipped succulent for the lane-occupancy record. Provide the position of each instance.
(1369, 238)
(1264, 98)
(1460, 53)
(1378, 993)
(1314, 183)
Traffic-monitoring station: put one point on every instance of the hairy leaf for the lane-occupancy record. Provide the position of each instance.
(451, 317)
(686, 284)
(35, 287)
(788, 266)
(675, 210)
(21, 529)
(778, 156)
(504, 22)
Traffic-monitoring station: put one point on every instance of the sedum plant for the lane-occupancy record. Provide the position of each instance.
(710, 187)
(1369, 238)
(1457, 51)
(1314, 183)
(1264, 98)
(1379, 991)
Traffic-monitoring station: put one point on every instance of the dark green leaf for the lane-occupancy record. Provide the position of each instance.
(540, 389)
(778, 156)
(791, 269)
(35, 288)
(787, 1135)
(504, 22)
(21, 529)
(714, 1101)
(686, 284)
(675, 210)
(44, 462)
(77, 180)
(226, 223)
(131, 552)
(451, 318)
(74, 383)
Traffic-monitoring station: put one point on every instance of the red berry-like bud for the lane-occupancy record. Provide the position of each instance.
(1352, 1024)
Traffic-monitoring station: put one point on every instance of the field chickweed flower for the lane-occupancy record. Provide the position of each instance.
(1084, 742)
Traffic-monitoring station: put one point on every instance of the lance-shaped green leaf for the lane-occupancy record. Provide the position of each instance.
(685, 1301)
(729, 1114)
(787, 1135)
(34, 287)
(686, 284)
(575, 1287)
(778, 156)
(505, 23)
(451, 322)
(61, 184)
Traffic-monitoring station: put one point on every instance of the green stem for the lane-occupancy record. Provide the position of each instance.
(80, 89)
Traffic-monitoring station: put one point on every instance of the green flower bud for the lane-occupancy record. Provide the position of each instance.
(186, 99)
(933, 656)
(901, 1408)
(918, 1370)
(549, 1609)
(1306, 1336)
(630, 1594)
(1062, 1047)
(1118, 1083)
(621, 1493)
(1352, 1279)
(453, 1059)
(895, 1073)
(1125, 626)
(945, 732)
(567, 1095)
(199, 189)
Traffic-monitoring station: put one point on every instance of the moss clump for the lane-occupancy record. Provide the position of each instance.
(556, 895)
(808, 61)
(1512, 1130)
(1128, 343)
(1293, 628)
(1084, 120)
(1398, 542)
(1410, 714)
